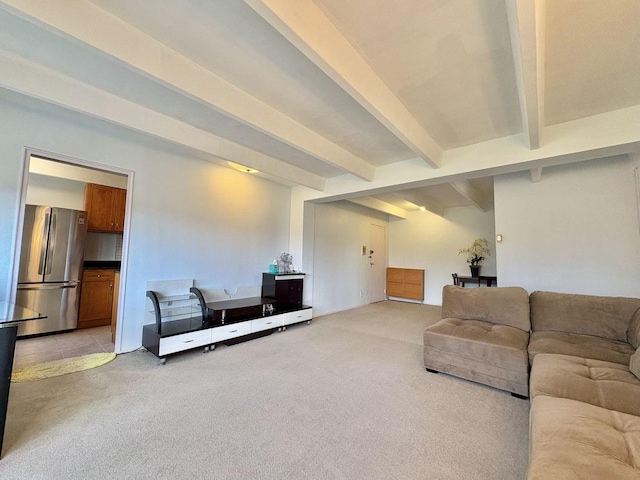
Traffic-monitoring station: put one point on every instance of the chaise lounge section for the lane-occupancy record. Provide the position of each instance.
(483, 337)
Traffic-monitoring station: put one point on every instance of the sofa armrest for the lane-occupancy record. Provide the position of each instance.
(633, 333)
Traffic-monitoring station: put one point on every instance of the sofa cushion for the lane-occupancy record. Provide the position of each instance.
(606, 317)
(499, 345)
(585, 346)
(503, 305)
(634, 363)
(573, 440)
(604, 384)
(483, 352)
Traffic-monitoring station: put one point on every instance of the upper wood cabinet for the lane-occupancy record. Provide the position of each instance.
(105, 207)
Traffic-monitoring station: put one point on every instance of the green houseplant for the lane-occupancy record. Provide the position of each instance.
(476, 253)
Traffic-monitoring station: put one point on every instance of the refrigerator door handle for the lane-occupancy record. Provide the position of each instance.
(45, 286)
(52, 242)
(43, 243)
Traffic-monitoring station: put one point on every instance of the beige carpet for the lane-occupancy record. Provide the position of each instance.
(65, 366)
(346, 397)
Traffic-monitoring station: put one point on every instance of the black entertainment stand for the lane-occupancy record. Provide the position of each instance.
(184, 322)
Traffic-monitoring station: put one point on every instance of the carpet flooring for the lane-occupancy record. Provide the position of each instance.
(346, 397)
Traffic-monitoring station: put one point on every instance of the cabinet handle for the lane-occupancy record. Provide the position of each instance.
(188, 341)
(99, 276)
(268, 323)
(233, 331)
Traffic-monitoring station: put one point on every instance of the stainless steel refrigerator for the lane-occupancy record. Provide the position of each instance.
(51, 267)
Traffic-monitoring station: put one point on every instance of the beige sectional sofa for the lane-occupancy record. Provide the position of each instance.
(584, 387)
(584, 384)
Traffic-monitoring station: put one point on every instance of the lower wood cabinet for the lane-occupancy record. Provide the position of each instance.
(96, 298)
(405, 283)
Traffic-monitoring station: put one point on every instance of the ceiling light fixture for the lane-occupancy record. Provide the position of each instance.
(423, 209)
(242, 168)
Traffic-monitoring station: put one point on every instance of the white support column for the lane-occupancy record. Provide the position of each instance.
(536, 175)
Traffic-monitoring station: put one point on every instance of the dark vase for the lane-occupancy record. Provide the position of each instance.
(475, 270)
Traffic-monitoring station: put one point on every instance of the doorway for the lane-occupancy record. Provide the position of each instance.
(377, 259)
(59, 182)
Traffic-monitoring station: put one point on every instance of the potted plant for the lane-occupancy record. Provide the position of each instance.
(475, 254)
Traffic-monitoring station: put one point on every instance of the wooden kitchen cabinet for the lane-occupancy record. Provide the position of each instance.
(105, 206)
(96, 298)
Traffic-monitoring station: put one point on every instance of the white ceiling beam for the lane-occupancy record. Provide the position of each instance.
(595, 137)
(38, 82)
(141, 53)
(380, 206)
(310, 31)
(471, 193)
(422, 200)
(526, 27)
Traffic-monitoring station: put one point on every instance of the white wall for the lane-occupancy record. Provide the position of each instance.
(189, 218)
(339, 268)
(53, 169)
(576, 231)
(427, 241)
(55, 192)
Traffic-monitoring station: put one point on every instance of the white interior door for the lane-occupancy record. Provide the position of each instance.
(377, 259)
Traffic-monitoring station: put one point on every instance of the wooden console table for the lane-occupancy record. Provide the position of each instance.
(480, 279)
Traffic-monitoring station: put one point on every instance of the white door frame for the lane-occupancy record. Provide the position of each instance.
(382, 258)
(17, 239)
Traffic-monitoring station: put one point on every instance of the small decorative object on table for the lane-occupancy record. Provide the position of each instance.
(273, 268)
(285, 263)
(475, 254)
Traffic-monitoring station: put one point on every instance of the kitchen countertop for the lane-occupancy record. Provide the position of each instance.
(112, 264)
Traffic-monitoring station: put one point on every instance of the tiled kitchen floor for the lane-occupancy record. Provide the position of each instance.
(30, 351)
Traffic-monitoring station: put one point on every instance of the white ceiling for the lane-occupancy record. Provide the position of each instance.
(327, 93)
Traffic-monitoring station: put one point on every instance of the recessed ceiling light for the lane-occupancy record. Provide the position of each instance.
(423, 209)
(242, 168)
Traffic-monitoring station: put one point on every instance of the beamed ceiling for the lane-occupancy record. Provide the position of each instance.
(390, 104)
